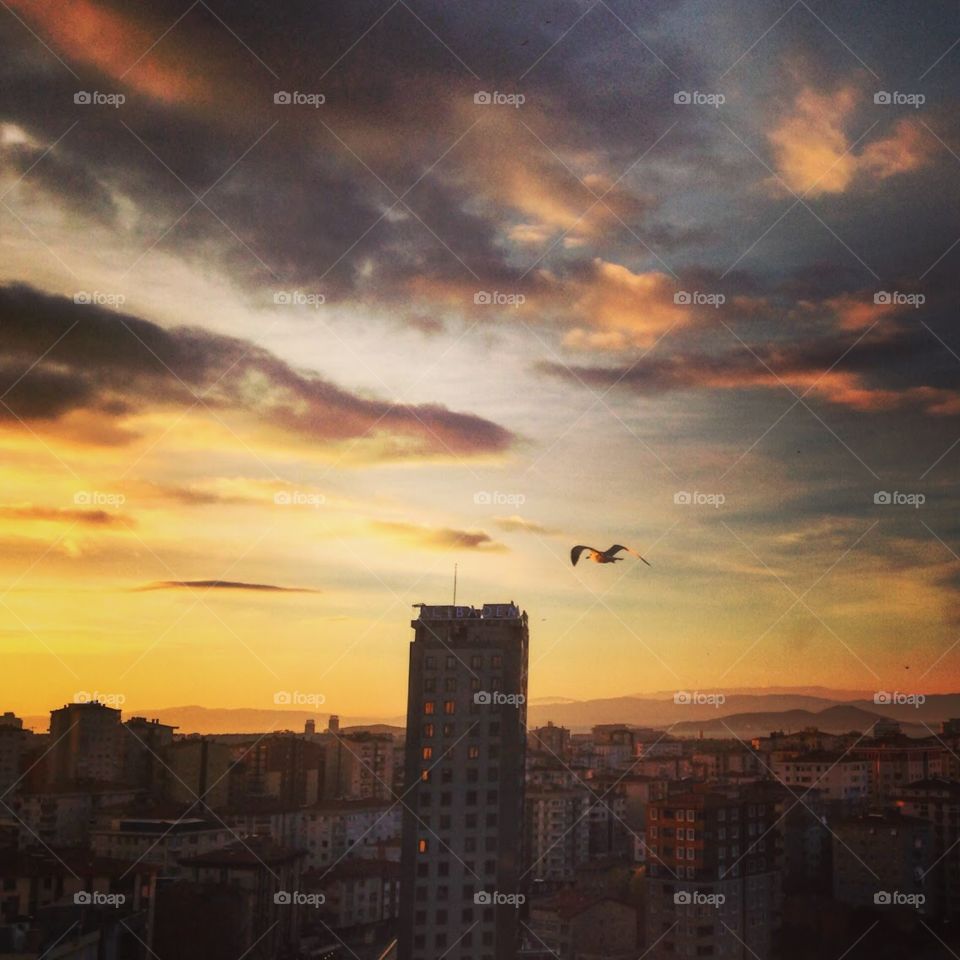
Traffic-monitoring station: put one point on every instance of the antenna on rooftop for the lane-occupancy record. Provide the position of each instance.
(454, 584)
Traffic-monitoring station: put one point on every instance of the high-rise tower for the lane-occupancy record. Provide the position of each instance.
(462, 882)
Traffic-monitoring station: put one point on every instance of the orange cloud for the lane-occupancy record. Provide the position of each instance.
(101, 37)
(812, 150)
(438, 538)
(617, 308)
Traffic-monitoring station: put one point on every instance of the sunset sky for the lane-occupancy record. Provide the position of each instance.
(337, 347)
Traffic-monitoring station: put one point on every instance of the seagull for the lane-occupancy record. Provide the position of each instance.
(603, 556)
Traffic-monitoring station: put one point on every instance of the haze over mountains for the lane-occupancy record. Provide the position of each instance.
(744, 713)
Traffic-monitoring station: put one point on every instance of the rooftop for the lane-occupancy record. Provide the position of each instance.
(489, 611)
(253, 852)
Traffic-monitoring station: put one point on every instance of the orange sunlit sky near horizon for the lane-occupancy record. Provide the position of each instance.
(300, 307)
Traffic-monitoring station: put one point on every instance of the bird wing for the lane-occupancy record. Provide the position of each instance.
(577, 550)
(617, 547)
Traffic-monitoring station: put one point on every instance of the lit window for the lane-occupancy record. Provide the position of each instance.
(422, 845)
(429, 707)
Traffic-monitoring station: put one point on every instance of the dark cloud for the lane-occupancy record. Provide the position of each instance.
(870, 373)
(222, 585)
(89, 518)
(61, 357)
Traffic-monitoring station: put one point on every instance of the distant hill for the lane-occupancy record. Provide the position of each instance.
(647, 712)
(838, 719)
(822, 693)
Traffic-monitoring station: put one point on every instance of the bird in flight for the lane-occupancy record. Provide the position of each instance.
(603, 556)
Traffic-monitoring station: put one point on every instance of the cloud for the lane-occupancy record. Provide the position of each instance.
(815, 155)
(439, 538)
(221, 585)
(801, 366)
(63, 359)
(90, 518)
(619, 308)
(517, 524)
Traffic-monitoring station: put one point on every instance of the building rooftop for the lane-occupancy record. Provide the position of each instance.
(253, 852)
(933, 785)
(354, 869)
(489, 611)
(569, 903)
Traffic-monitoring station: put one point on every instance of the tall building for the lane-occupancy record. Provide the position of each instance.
(713, 873)
(938, 802)
(551, 739)
(144, 747)
(558, 833)
(885, 859)
(87, 744)
(462, 873)
(358, 766)
(199, 769)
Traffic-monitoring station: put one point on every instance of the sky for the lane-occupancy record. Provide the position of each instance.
(301, 305)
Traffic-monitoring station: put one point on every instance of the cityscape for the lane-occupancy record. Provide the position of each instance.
(479, 481)
(473, 835)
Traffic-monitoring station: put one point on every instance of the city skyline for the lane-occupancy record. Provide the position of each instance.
(281, 343)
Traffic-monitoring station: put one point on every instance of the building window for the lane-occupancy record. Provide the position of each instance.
(476, 661)
(429, 707)
(422, 845)
(449, 707)
(425, 776)
(450, 685)
(429, 684)
(473, 752)
(426, 753)
(496, 661)
(451, 663)
(430, 663)
(428, 729)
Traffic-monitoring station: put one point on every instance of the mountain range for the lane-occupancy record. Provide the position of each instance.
(747, 712)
